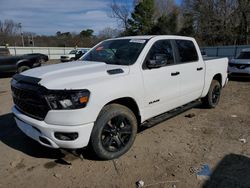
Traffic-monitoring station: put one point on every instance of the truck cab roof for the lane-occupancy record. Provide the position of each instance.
(148, 37)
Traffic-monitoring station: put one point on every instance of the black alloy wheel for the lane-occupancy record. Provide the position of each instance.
(216, 94)
(213, 97)
(116, 133)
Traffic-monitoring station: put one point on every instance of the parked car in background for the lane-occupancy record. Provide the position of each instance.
(117, 86)
(4, 52)
(240, 66)
(69, 57)
(73, 55)
(20, 63)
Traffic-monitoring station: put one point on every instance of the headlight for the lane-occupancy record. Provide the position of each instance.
(67, 99)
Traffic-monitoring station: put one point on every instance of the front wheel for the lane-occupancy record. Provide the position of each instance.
(41, 60)
(213, 96)
(114, 132)
(22, 69)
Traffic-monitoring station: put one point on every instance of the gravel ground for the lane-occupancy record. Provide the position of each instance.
(167, 155)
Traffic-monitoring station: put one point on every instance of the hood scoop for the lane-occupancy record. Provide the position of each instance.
(115, 71)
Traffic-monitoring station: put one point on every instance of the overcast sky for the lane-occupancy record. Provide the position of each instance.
(49, 16)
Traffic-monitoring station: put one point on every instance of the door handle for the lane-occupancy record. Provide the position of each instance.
(175, 73)
(199, 69)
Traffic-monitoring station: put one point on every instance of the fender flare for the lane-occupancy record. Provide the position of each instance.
(20, 62)
(130, 103)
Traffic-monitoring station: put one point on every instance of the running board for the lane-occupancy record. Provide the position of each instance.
(167, 115)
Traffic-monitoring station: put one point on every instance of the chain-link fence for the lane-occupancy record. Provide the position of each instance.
(52, 52)
(223, 51)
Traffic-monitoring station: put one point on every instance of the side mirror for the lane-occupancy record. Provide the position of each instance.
(159, 60)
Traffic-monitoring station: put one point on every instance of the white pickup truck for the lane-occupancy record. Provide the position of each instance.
(118, 85)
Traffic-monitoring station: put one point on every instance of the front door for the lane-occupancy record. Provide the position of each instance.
(162, 84)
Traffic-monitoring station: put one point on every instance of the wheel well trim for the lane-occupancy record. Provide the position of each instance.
(23, 62)
(216, 76)
(132, 105)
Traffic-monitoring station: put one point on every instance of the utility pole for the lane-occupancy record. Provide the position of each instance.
(22, 39)
(33, 42)
(20, 27)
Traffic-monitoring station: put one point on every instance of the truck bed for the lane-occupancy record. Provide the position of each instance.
(206, 58)
(215, 66)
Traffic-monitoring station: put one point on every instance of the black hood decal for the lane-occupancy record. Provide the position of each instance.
(26, 79)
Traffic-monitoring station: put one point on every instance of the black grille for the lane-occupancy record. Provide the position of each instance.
(30, 102)
(239, 74)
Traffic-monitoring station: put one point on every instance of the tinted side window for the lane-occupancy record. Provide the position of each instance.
(187, 51)
(162, 48)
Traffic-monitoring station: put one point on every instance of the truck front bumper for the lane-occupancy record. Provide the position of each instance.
(45, 133)
(235, 72)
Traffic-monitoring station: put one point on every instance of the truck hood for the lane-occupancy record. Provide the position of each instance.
(75, 75)
(240, 61)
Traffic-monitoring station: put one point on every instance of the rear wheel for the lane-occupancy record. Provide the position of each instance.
(22, 68)
(114, 132)
(213, 96)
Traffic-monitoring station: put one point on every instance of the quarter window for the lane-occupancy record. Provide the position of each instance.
(187, 51)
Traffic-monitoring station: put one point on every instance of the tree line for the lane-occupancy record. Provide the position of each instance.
(211, 22)
(11, 35)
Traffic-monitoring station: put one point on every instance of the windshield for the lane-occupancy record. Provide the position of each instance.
(72, 52)
(118, 52)
(244, 55)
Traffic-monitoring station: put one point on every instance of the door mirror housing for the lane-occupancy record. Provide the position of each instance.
(159, 60)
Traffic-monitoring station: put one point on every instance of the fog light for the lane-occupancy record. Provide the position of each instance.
(66, 136)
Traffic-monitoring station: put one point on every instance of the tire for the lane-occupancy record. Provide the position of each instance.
(41, 60)
(114, 132)
(213, 96)
(22, 68)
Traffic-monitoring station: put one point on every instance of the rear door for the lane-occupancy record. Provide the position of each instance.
(192, 70)
(162, 85)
